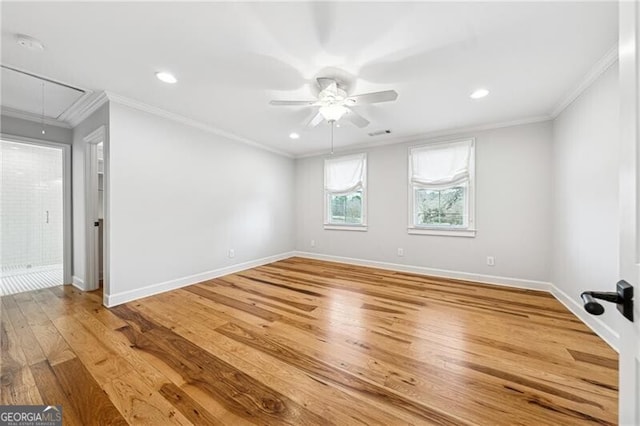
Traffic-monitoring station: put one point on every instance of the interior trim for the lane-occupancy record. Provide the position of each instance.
(111, 300)
(595, 324)
(23, 115)
(78, 283)
(65, 119)
(189, 122)
(598, 326)
(90, 102)
(610, 58)
(81, 110)
(433, 136)
(67, 223)
(421, 270)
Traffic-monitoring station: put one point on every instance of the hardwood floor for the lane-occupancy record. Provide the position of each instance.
(306, 342)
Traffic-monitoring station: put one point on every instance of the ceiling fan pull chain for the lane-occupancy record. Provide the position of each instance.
(42, 116)
(332, 122)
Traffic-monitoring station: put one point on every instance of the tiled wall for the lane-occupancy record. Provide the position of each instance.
(31, 186)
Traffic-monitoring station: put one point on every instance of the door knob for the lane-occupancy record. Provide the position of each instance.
(622, 297)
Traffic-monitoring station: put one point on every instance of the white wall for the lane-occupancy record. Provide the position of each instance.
(585, 193)
(181, 197)
(99, 118)
(31, 129)
(512, 209)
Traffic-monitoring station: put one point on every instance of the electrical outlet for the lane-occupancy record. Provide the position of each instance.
(232, 253)
(491, 261)
(313, 243)
(400, 252)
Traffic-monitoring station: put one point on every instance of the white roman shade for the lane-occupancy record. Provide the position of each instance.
(441, 165)
(345, 174)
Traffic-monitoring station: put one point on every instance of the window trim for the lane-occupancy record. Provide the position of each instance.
(470, 229)
(347, 226)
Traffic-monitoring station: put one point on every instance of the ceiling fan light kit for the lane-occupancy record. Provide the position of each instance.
(333, 112)
(335, 103)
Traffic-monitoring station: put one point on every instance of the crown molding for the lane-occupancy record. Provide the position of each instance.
(84, 107)
(190, 122)
(28, 116)
(609, 58)
(431, 136)
(69, 118)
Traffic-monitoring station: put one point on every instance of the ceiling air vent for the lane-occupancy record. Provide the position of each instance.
(380, 132)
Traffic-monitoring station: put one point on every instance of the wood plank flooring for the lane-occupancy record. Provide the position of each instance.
(305, 342)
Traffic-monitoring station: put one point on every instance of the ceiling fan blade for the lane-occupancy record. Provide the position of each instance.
(315, 120)
(356, 119)
(372, 98)
(291, 103)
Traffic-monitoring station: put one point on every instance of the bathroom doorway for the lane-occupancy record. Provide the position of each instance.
(33, 215)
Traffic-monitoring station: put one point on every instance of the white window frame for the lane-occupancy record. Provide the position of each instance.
(327, 196)
(470, 229)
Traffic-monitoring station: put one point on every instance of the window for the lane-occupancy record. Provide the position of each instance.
(441, 189)
(345, 192)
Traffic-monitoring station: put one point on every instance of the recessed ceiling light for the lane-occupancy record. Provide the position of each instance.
(166, 77)
(294, 135)
(480, 93)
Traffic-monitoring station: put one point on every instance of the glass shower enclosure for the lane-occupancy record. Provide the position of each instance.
(31, 217)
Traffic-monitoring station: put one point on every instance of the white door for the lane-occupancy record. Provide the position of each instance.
(629, 209)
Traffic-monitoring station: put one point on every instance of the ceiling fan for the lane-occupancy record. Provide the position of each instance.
(335, 103)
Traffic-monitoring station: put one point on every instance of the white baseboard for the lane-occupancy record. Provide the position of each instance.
(112, 300)
(594, 323)
(78, 283)
(421, 270)
(598, 326)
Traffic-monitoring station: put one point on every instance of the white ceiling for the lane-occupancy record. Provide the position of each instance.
(232, 58)
(35, 96)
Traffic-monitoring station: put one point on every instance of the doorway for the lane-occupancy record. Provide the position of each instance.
(34, 248)
(95, 182)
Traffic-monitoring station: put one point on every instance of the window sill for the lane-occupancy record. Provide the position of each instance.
(362, 228)
(469, 233)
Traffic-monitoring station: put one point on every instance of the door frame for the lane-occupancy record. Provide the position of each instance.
(92, 273)
(629, 181)
(67, 253)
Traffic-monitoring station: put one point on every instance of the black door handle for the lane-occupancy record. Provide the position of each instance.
(96, 223)
(623, 297)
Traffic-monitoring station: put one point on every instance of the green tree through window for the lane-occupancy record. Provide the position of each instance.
(440, 207)
(346, 208)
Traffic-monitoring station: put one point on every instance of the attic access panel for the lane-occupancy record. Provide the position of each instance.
(22, 91)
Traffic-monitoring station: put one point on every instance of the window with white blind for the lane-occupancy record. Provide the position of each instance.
(345, 192)
(441, 188)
